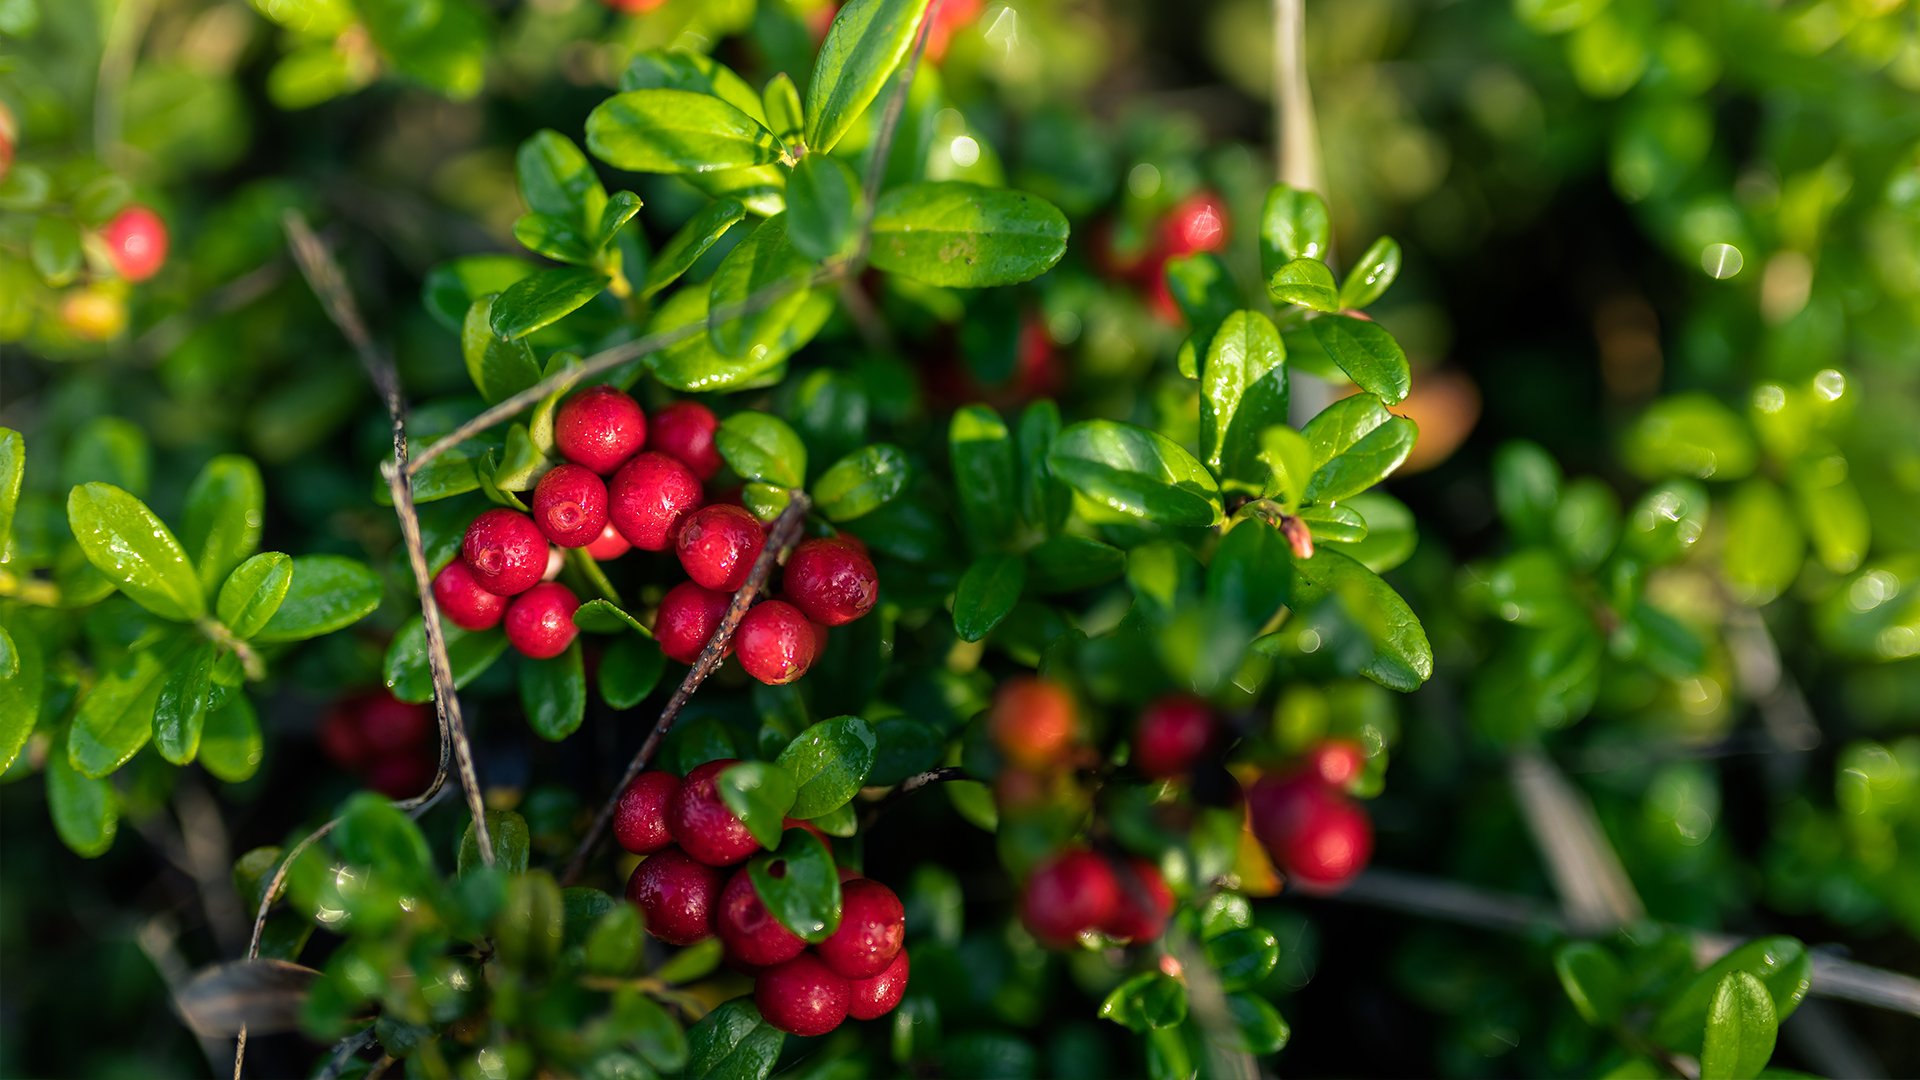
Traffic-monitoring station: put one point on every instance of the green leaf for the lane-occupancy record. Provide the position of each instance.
(1526, 488)
(1243, 958)
(561, 241)
(1243, 391)
(115, 718)
(1741, 1029)
(764, 267)
(20, 694)
(1206, 293)
(613, 945)
(678, 69)
(1356, 443)
(1764, 545)
(621, 207)
(861, 482)
(800, 885)
(557, 181)
(762, 447)
(868, 40)
(695, 366)
(1146, 1001)
(785, 115)
(1334, 524)
(522, 463)
(543, 299)
(469, 653)
(828, 763)
(85, 810)
(180, 711)
(1690, 435)
(1290, 465)
(1293, 225)
(1136, 471)
(374, 833)
(454, 472)
(1306, 283)
(499, 368)
(1593, 980)
(1371, 275)
(966, 236)
(603, 616)
(453, 286)
(986, 593)
(1044, 501)
(554, 693)
(1402, 658)
(677, 131)
(328, 593)
(129, 545)
(1781, 964)
(1258, 1028)
(1667, 521)
(254, 592)
(824, 207)
(629, 670)
(110, 450)
(982, 451)
(1367, 353)
(231, 747)
(760, 794)
(1068, 563)
(507, 835)
(13, 466)
(1830, 505)
(733, 1043)
(1391, 534)
(55, 249)
(694, 239)
(226, 507)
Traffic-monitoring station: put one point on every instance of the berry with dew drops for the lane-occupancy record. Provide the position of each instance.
(505, 550)
(599, 427)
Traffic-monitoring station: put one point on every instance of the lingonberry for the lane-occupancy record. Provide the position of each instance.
(718, 545)
(684, 432)
(650, 497)
(464, 601)
(1144, 905)
(570, 505)
(634, 7)
(609, 544)
(688, 616)
(701, 823)
(750, 932)
(802, 996)
(1173, 734)
(403, 775)
(1337, 762)
(1032, 722)
(678, 895)
(873, 926)
(1198, 223)
(832, 581)
(775, 642)
(640, 817)
(540, 621)
(505, 551)
(136, 242)
(1315, 834)
(93, 314)
(870, 999)
(599, 427)
(948, 17)
(387, 741)
(1072, 893)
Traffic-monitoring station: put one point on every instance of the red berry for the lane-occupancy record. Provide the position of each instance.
(684, 432)
(462, 599)
(609, 545)
(649, 499)
(640, 817)
(1317, 835)
(802, 997)
(400, 776)
(873, 998)
(1198, 223)
(1145, 904)
(833, 581)
(634, 7)
(701, 822)
(1073, 893)
(570, 505)
(340, 738)
(873, 926)
(1173, 734)
(688, 616)
(751, 933)
(540, 620)
(505, 551)
(599, 427)
(1337, 762)
(1038, 375)
(1033, 722)
(718, 545)
(391, 726)
(775, 642)
(136, 242)
(677, 894)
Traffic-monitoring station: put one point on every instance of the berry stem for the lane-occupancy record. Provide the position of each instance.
(910, 785)
(781, 537)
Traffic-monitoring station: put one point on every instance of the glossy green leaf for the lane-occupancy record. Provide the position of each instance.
(1356, 444)
(963, 235)
(1690, 435)
(828, 763)
(1258, 1028)
(986, 593)
(1243, 958)
(1593, 980)
(1334, 524)
(453, 286)
(800, 885)
(620, 209)
(231, 747)
(733, 1043)
(1305, 283)
(127, 543)
(1293, 225)
(982, 452)
(13, 465)
(1391, 532)
(677, 131)
(561, 241)
(328, 593)
(226, 507)
(522, 463)
(694, 239)
(602, 616)
(766, 268)
(469, 653)
(1741, 1029)
(629, 670)
(1044, 500)
(695, 366)
(85, 810)
(762, 447)
(21, 693)
(558, 181)
(1146, 1001)
(786, 116)
(1402, 658)
(499, 368)
(868, 41)
(1243, 391)
(1136, 471)
(760, 794)
(1526, 488)
(115, 718)
(554, 693)
(111, 450)
(1206, 294)
(861, 482)
(680, 69)
(1068, 563)
(507, 835)
(1371, 274)
(613, 945)
(1367, 353)
(180, 712)
(1781, 964)
(824, 207)
(1289, 461)
(543, 299)
(254, 592)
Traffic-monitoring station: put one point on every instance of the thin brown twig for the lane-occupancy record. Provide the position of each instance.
(911, 784)
(267, 897)
(883, 142)
(781, 536)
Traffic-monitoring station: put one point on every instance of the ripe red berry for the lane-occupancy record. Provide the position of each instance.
(677, 894)
(136, 242)
(802, 996)
(688, 616)
(540, 620)
(750, 932)
(599, 427)
(832, 581)
(1198, 223)
(1144, 905)
(634, 7)
(609, 544)
(702, 824)
(462, 599)
(873, 998)
(570, 505)
(718, 545)
(1174, 733)
(1315, 834)
(391, 726)
(640, 817)
(505, 551)
(1337, 762)
(775, 642)
(1072, 893)
(873, 926)
(1033, 722)
(684, 432)
(402, 775)
(649, 499)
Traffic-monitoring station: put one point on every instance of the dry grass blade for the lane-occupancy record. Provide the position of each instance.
(1586, 871)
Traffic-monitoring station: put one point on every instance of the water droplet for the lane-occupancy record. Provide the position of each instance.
(1721, 261)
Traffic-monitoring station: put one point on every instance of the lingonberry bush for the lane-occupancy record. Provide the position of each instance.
(832, 546)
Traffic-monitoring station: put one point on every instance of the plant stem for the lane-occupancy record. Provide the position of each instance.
(910, 785)
(1296, 140)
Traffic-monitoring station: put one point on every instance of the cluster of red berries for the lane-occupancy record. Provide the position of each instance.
(1078, 892)
(630, 482)
(689, 838)
(388, 743)
(1195, 224)
(1316, 833)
